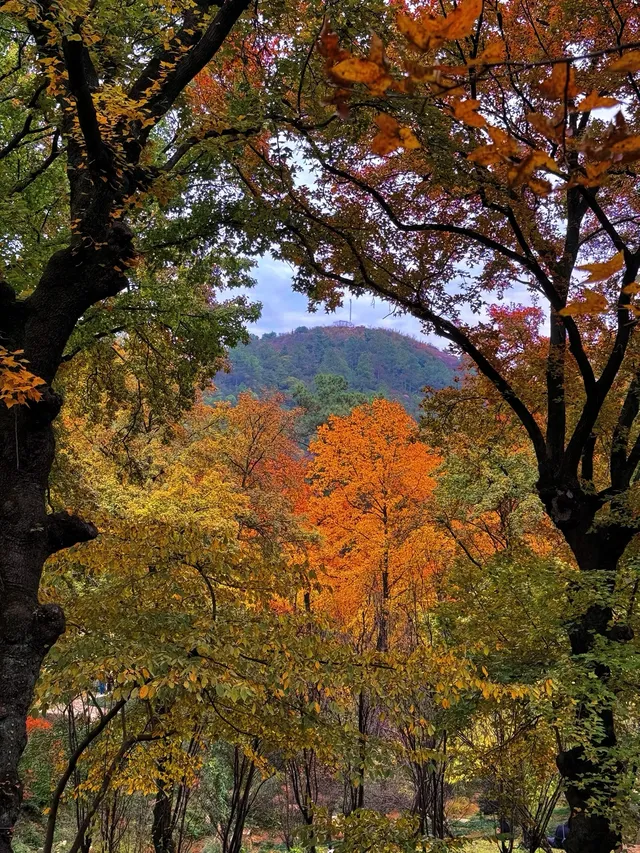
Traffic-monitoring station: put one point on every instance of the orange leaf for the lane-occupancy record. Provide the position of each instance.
(460, 23)
(594, 101)
(522, 173)
(596, 174)
(328, 44)
(354, 70)
(430, 32)
(392, 136)
(466, 112)
(545, 126)
(486, 155)
(628, 62)
(419, 33)
(626, 149)
(592, 303)
(539, 186)
(380, 86)
(421, 73)
(602, 271)
(493, 52)
(503, 148)
(562, 83)
(376, 51)
(504, 143)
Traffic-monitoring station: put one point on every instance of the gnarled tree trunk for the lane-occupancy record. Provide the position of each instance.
(28, 535)
(103, 171)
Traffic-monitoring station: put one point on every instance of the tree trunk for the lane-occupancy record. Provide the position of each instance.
(162, 826)
(27, 629)
(589, 773)
(355, 790)
(28, 536)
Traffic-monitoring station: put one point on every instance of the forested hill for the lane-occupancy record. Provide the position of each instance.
(373, 361)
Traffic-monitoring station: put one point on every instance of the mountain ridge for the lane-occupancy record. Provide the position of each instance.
(373, 361)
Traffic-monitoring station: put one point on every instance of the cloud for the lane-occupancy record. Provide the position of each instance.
(283, 310)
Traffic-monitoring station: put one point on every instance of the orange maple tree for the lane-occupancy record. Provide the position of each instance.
(371, 485)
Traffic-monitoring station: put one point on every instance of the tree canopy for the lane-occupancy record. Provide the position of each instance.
(282, 614)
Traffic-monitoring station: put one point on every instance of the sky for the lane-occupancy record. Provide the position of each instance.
(283, 310)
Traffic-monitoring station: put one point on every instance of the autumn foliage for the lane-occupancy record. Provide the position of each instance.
(371, 484)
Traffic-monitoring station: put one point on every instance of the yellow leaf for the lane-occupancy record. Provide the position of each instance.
(602, 271)
(633, 288)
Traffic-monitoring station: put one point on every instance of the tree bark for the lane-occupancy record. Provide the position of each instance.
(590, 771)
(162, 826)
(28, 535)
(102, 173)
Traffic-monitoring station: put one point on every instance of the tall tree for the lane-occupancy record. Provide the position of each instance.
(370, 499)
(478, 159)
(370, 490)
(100, 143)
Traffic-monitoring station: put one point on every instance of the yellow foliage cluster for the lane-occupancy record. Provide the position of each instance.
(18, 386)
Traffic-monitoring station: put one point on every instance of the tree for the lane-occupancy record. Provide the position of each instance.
(370, 501)
(332, 397)
(100, 144)
(477, 158)
(200, 561)
(371, 489)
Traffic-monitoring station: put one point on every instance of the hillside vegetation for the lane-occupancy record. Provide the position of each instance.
(377, 362)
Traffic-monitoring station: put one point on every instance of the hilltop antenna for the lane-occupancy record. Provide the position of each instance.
(349, 309)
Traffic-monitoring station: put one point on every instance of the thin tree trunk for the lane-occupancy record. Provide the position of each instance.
(162, 825)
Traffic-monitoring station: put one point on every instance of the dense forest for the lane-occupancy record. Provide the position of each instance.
(376, 362)
(365, 595)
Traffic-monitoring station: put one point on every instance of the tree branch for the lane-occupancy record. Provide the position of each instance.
(445, 329)
(192, 62)
(65, 530)
(593, 406)
(69, 769)
(76, 60)
(106, 781)
(35, 174)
